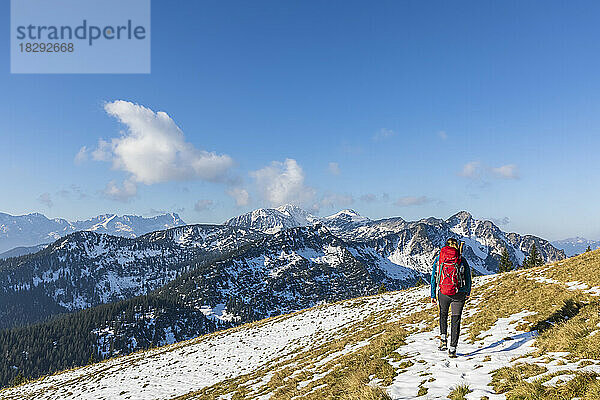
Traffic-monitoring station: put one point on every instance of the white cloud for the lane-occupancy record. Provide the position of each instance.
(442, 135)
(121, 193)
(471, 170)
(103, 152)
(509, 171)
(203, 205)
(45, 199)
(153, 149)
(240, 196)
(407, 201)
(478, 171)
(383, 134)
(334, 168)
(283, 182)
(82, 155)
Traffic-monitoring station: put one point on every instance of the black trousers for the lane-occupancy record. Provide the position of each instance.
(455, 303)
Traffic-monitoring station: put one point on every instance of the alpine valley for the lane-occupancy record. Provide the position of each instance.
(107, 295)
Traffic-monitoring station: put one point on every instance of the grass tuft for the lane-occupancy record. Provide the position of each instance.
(459, 392)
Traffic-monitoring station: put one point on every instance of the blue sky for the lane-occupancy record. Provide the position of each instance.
(409, 109)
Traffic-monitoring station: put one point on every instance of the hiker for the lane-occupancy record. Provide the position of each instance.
(451, 285)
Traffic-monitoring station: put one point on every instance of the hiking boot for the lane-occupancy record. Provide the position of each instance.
(452, 352)
(443, 345)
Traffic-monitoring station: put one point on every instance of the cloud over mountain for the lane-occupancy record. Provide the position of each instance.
(283, 182)
(153, 149)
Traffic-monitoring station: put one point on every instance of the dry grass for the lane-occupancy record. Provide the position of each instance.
(508, 378)
(459, 392)
(513, 293)
(508, 381)
(360, 374)
(583, 268)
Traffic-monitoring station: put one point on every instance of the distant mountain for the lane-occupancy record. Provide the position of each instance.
(344, 221)
(35, 229)
(290, 270)
(88, 268)
(21, 251)
(411, 244)
(576, 245)
(85, 269)
(232, 273)
(273, 220)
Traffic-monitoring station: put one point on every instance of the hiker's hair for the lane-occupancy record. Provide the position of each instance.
(452, 243)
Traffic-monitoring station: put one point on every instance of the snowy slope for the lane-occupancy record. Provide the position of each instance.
(35, 229)
(213, 358)
(85, 269)
(290, 270)
(312, 353)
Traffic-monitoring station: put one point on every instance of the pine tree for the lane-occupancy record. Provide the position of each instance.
(381, 289)
(534, 259)
(588, 249)
(505, 262)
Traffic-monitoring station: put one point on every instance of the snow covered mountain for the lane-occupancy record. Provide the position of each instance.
(412, 244)
(344, 221)
(290, 270)
(85, 269)
(576, 245)
(272, 220)
(377, 347)
(21, 251)
(243, 272)
(415, 244)
(35, 229)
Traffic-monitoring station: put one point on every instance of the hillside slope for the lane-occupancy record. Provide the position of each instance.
(526, 333)
(85, 269)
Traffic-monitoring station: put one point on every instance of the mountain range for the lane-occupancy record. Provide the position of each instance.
(408, 243)
(36, 229)
(130, 293)
(266, 258)
(576, 245)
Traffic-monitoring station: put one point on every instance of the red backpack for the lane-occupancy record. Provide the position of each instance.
(449, 270)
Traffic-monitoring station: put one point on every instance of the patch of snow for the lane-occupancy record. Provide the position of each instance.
(469, 368)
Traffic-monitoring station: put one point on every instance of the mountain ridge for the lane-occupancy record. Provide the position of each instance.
(36, 229)
(576, 245)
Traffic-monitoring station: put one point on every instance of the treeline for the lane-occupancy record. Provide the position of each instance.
(107, 330)
(97, 333)
(533, 259)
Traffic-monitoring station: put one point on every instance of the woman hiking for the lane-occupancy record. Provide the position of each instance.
(451, 285)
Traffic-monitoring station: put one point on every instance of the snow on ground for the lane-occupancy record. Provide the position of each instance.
(175, 370)
(178, 369)
(497, 347)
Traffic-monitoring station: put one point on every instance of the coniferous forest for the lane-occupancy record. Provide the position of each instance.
(97, 333)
